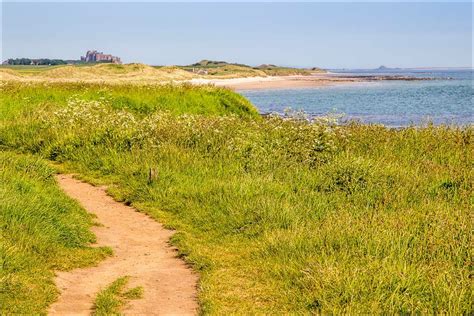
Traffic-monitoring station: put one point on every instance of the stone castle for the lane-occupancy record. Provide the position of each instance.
(93, 56)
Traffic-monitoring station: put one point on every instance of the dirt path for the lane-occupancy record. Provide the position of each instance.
(141, 250)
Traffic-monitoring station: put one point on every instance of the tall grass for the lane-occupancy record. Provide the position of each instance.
(280, 215)
(41, 230)
(22, 98)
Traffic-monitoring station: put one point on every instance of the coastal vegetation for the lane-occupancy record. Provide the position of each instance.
(24, 98)
(224, 69)
(277, 214)
(103, 73)
(41, 230)
(140, 73)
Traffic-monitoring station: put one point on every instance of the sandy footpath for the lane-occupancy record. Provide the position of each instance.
(141, 251)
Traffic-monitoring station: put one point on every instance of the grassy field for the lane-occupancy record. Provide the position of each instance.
(277, 215)
(42, 230)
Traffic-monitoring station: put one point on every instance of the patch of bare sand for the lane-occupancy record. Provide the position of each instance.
(141, 250)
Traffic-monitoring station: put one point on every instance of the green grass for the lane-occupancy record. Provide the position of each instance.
(224, 69)
(238, 71)
(110, 300)
(41, 230)
(22, 98)
(277, 215)
(285, 71)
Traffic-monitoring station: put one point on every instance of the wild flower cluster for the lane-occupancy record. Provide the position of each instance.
(82, 114)
(293, 139)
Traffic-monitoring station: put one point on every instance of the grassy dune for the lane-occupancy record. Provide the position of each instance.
(237, 71)
(222, 69)
(20, 99)
(140, 73)
(110, 73)
(276, 215)
(42, 230)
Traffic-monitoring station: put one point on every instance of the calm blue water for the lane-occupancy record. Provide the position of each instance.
(392, 103)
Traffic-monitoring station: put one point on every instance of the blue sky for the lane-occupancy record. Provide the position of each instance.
(329, 35)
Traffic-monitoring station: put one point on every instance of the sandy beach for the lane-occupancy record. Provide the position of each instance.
(278, 82)
(299, 81)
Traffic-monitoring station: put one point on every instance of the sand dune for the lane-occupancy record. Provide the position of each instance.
(144, 74)
(100, 73)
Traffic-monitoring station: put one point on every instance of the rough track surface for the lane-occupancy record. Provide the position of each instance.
(141, 251)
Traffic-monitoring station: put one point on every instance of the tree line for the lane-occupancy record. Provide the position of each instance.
(44, 61)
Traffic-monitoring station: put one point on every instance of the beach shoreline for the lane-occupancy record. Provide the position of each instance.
(277, 82)
(297, 81)
(143, 74)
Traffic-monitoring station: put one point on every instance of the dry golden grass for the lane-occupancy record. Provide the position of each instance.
(8, 74)
(109, 73)
(134, 73)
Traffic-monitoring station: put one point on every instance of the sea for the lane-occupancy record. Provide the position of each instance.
(446, 100)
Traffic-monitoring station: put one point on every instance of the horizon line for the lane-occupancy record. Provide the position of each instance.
(256, 65)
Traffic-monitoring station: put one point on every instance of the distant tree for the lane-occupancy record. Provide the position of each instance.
(42, 61)
(19, 61)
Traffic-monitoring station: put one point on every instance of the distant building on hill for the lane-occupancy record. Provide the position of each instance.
(93, 56)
